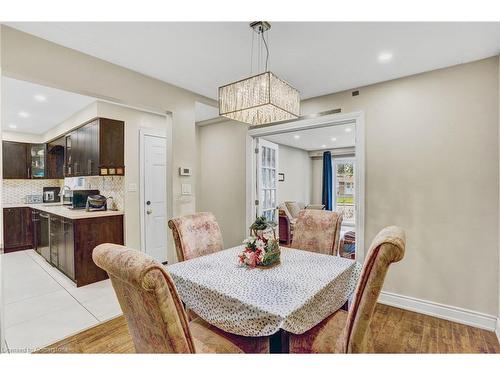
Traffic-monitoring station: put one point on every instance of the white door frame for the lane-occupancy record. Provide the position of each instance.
(162, 133)
(356, 118)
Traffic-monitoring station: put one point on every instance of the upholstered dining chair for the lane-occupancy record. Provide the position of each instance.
(349, 332)
(318, 231)
(148, 298)
(196, 235)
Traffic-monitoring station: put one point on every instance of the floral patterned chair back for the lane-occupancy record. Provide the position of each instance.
(196, 235)
(156, 318)
(387, 247)
(318, 231)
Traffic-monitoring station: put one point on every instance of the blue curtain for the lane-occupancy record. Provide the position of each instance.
(327, 180)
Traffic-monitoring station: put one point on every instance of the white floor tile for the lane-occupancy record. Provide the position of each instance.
(104, 308)
(48, 328)
(32, 308)
(93, 291)
(27, 285)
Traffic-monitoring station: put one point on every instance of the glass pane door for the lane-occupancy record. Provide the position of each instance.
(344, 189)
(267, 177)
(37, 152)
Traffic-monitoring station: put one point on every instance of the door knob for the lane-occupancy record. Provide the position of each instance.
(149, 212)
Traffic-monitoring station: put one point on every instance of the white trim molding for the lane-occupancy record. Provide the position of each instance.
(497, 330)
(438, 310)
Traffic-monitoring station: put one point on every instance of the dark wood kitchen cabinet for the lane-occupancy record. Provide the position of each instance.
(17, 229)
(96, 148)
(72, 243)
(23, 160)
(55, 159)
(15, 160)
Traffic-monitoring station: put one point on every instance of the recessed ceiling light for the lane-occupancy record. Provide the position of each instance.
(348, 130)
(12, 126)
(296, 136)
(334, 139)
(385, 57)
(323, 146)
(40, 98)
(23, 114)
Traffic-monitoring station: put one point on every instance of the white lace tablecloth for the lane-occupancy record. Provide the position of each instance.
(294, 296)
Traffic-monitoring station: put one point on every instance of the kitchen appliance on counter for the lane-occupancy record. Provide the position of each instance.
(51, 194)
(79, 200)
(96, 203)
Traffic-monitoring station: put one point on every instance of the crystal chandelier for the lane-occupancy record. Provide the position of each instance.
(260, 99)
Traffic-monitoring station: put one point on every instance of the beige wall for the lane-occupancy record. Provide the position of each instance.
(221, 177)
(36, 60)
(296, 165)
(432, 167)
(316, 180)
(134, 120)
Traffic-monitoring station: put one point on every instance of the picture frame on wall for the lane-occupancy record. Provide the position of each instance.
(281, 177)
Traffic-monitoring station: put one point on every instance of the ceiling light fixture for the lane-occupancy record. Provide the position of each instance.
(334, 139)
(40, 98)
(23, 114)
(323, 146)
(263, 98)
(296, 136)
(348, 130)
(385, 56)
(12, 126)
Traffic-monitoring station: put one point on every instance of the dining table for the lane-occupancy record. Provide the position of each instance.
(291, 297)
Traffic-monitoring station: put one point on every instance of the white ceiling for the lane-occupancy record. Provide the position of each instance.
(316, 58)
(19, 96)
(317, 139)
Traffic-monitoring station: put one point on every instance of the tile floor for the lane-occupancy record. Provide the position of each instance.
(43, 306)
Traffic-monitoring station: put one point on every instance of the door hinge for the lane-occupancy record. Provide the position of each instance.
(256, 150)
(256, 202)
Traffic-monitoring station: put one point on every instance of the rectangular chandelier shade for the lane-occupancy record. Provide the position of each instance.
(259, 100)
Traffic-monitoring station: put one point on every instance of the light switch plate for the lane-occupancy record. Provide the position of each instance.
(132, 187)
(186, 189)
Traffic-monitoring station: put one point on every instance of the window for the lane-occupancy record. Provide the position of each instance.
(344, 201)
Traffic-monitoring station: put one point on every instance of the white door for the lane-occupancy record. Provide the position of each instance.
(267, 179)
(155, 200)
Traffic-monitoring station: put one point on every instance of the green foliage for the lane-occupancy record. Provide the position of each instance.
(261, 223)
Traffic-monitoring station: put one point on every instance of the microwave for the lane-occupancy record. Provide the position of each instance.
(79, 200)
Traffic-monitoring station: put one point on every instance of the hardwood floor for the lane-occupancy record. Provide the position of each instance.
(394, 331)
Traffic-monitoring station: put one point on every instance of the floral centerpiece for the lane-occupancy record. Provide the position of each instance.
(262, 247)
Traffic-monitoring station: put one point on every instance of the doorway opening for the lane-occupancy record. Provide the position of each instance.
(286, 173)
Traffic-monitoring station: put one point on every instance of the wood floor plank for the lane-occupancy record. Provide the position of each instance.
(394, 331)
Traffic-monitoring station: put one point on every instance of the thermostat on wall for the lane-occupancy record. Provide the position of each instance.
(184, 171)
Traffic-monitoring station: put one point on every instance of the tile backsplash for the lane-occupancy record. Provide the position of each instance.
(109, 186)
(15, 191)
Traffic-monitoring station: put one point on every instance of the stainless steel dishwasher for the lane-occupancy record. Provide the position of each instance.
(43, 240)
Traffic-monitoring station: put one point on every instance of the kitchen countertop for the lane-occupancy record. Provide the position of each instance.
(60, 210)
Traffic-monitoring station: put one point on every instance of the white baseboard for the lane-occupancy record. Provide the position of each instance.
(455, 314)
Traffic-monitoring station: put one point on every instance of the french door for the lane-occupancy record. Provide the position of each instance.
(266, 202)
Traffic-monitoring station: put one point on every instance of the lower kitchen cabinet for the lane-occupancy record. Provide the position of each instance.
(72, 243)
(17, 229)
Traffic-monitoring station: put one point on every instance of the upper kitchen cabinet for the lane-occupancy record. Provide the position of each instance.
(55, 158)
(96, 149)
(36, 158)
(15, 160)
(23, 160)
